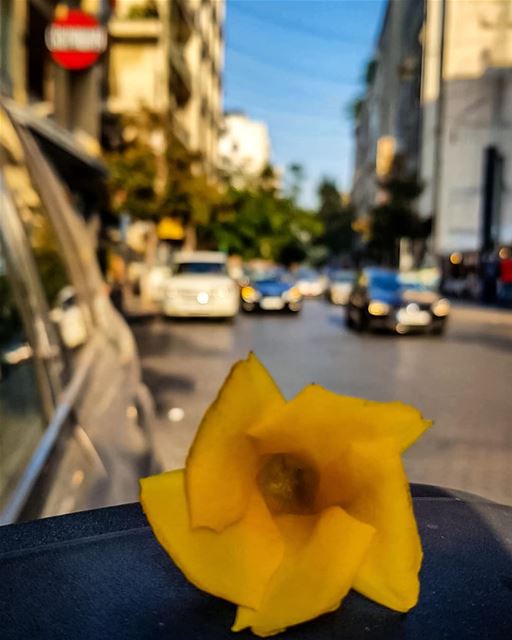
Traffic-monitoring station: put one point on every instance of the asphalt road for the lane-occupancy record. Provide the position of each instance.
(463, 381)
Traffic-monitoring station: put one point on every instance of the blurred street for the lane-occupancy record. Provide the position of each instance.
(461, 381)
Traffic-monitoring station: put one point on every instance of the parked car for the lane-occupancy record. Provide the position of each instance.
(386, 299)
(200, 286)
(157, 280)
(75, 419)
(340, 285)
(310, 283)
(270, 290)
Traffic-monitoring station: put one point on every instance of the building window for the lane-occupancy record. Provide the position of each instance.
(204, 107)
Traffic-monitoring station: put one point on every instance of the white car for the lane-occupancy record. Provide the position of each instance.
(156, 282)
(340, 286)
(310, 283)
(201, 286)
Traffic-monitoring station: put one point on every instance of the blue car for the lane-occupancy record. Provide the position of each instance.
(269, 290)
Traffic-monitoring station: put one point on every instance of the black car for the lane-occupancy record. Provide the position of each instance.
(75, 418)
(387, 299)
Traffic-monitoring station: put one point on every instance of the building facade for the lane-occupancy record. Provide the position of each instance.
(30, 76)
(244, 148)
(466, 102)
(387, 117)
(440, 95)
(44, 94)
(166, 56)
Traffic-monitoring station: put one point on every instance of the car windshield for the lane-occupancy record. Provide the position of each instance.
(201, 268)
(386, 281)
(342, 276)
(263, 275)
(307, 274)
(394, 282)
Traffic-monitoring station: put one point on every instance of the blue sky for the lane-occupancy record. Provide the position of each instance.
(297, 64)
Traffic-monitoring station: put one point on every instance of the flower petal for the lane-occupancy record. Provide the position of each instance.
(322, 555)
(235, 564)
(221, 465)
(322, 423)
(389, 572)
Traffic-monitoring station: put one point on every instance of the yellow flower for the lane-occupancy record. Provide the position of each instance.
(285, 506)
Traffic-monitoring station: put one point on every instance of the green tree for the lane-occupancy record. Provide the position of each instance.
(260, 223)
(396, 217)
(150, 183)
(132, 177)
(295, 179)
(337, 218)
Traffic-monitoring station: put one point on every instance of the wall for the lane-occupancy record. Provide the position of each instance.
(244, 147)
(474, 113)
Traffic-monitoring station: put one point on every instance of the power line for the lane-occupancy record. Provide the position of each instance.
(300, 115)
(284, 23)
(315, 75)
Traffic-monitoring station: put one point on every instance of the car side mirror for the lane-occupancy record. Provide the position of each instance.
(68, 317)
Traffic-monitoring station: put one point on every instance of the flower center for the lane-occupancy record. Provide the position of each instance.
(288, 483)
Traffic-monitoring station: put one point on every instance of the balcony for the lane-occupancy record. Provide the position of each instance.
(141, 30)
(181, 80)
(179, 131)
(182, 21)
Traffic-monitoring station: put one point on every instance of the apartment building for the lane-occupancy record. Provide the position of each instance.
(244, 148)
(166, 56)
(387, 117)
(439, 93)
(49, 88)
(466, 103)
(31, 75)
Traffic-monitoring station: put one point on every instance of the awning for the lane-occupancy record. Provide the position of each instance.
(83, 173)
(55, 136)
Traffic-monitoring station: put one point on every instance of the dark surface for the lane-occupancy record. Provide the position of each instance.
(101, 574)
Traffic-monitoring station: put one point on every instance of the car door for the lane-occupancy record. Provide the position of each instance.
(46, 465)
(111, 408)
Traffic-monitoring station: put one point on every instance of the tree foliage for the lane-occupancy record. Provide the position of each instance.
(259, 223)
(150, 183)
(255, 221)
(132, 177)
(337, 218)
(396, 216)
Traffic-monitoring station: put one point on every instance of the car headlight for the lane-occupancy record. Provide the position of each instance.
(292, 295)
(377, 308)
(249, 294)
(441, 308)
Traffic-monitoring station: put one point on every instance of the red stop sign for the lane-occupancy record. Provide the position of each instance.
(76, 41)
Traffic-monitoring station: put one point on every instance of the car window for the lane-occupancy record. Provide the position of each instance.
(385, 281)
(342, 276)
(266, 274)
(64, 307)
(201, 268)
(21, 417)
(306, 274)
